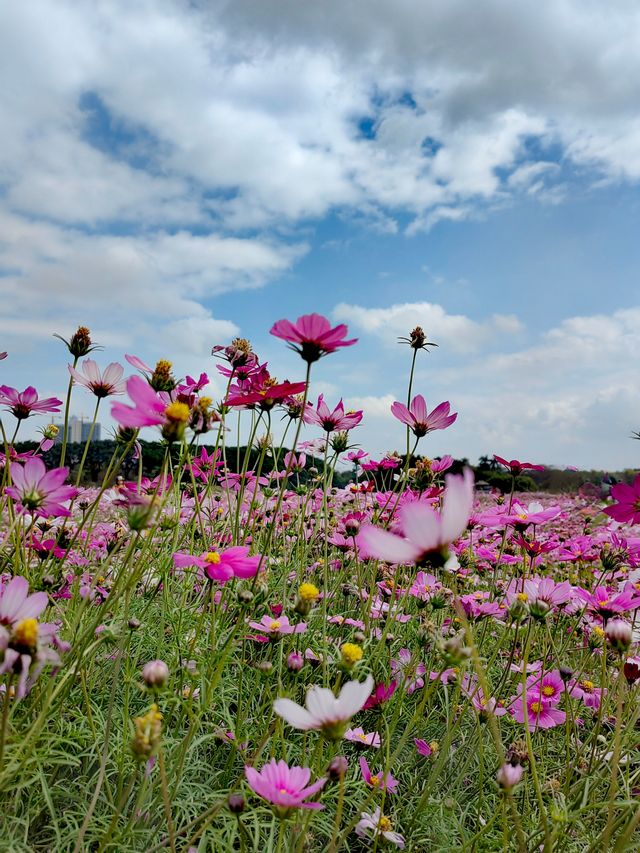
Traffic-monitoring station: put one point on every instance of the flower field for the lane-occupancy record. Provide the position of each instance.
(249, 657)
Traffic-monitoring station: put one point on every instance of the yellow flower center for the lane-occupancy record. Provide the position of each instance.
(536, 707)
(548, 690)
(275, 625)
(212, 557)
(384, 823)
(308, 592)
(25, 633)
(177, 413)
(587, 685)
(522, 596)
(375, 781)
(351, 653)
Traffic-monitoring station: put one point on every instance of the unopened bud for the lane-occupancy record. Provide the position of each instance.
(235, 803)
(155, 673)
(509, 775)
(337, 768)
(619, 634)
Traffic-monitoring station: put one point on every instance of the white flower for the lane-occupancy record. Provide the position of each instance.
(324, 710)
(373, 825)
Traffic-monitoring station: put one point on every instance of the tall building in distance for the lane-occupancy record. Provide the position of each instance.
(78, 431)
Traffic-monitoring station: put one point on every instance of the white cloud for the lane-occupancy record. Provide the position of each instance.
(457, 331)
(570, 398)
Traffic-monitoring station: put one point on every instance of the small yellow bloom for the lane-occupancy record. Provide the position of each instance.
(25, 633)
(177, 413)
(212, 557)
(308, 592)
(351, 653)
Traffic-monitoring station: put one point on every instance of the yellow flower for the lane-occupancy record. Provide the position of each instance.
(351, 653)
(308, 592)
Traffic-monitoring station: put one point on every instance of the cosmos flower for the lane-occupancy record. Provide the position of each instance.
(40, 491)
(221, 566)
(324, 711)
(419, 420)
(627, 508)
(331, 421)
(424, 530)
(22, 404)
(377, 825)
(277, 627)
(362, 738)
(536, 713)
(16, 604)
(312, 336)
(516, 468)
(284, 787)
(103, 384)
(381, 781)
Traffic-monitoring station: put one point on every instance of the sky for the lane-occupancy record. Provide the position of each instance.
(174, 174)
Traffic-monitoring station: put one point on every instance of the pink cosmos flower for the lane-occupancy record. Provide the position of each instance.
(103, 384)
(149, 407)
(381, 781)
(362, 738)
(516, 468)
(325, 711)
(586, 690)
(536, 713)
(312, 336)
(424, 530)
(607, 604)
(408, 671)
(267, 396)
(277, 627)
(16, 604)
(380, 695)
(331, 421)
(548, 686)
(418, 419)
(627, 508)
(221, 566)
(422, 747)
(284, 787)
(22, 404)
(40, 491)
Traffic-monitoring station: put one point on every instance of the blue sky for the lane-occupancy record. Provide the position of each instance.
(173, 174)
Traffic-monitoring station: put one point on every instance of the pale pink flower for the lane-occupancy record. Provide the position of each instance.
(424, 530)
(331, 421)
(40, 491)
(377, 825)
(283, 786)
(103, 384)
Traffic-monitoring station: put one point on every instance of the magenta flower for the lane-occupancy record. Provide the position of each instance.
(284, 787)
(627, 508)
(149, 406)
(103, 384)
(418, 419)
(536, 713)
(381, 781)
(275, 628)
(312, 336)
(331, 421)
(607, 604)
(221, 566)
(22, 404)
(515, 467)
(422, 747)
(548, 686)
(380, 695)
(424, 530)
(40, 491)
(535, 513)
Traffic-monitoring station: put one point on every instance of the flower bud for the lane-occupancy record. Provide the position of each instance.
(619, 634)
(235, 803)
(155, 673)
(295, 662)
(509, 775)
(631, 669)
(337, 768)
(265, 667)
